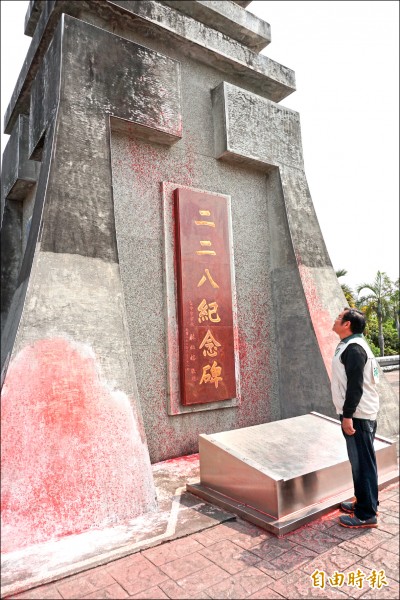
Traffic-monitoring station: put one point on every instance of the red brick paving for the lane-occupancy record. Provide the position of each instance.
(239, 560)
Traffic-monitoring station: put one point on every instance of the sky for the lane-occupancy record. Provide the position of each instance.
(346, 58)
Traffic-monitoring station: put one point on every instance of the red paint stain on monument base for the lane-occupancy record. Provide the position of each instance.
(321, 318)
(72, 453)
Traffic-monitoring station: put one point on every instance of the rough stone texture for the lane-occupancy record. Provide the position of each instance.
(79, 358)
(32, 17)
(77, 406)
(228, 18)
(251, 130)
(179, 514)
(138, 170)
(212, 47)
(11, 325)
(153, 21)
(87, 454)
(87, 226)
(11, 255)
(19, 177)
(19, 173)
(123, 82)
(28, 206)
(42, 36)
(14, 238)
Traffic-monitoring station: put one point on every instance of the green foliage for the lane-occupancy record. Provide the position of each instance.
(394, 305)
(380, 304)
(375, 349)
(347, 291)
(392, 342)
(376, 301)
(341, 273)
(377, 296)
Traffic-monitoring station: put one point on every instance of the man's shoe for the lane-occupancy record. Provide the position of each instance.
(356, 523)
(347, 507)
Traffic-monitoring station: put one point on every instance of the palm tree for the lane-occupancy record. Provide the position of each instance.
(347, 291)
(377, 301)
(394, 305)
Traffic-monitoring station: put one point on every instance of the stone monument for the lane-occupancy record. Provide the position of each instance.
(164, 274)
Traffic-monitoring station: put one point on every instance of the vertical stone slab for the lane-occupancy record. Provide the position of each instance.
(251, 130)
(19, 174)
(80, 460)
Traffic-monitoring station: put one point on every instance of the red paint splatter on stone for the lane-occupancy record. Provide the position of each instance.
(321, 318)
(256, 369)
(72, 454)
(191, 458)
(152, 164)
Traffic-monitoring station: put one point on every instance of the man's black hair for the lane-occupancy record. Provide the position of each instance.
(356, 318)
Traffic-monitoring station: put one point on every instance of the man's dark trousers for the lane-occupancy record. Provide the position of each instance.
(360, 449)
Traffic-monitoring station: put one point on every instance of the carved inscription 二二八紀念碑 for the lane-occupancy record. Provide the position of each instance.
(207, 360)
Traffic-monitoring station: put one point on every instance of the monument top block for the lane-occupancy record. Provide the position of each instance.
(229, 18)
(220, 34)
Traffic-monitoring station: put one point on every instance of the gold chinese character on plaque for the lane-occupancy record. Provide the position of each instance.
(205, 213)
(210, 279)
(209, 345)
(211, 374)
(205, 243)
(208, 312)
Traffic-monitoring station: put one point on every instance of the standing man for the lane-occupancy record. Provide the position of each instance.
(355, 374)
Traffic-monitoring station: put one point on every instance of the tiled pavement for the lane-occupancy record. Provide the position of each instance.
(238, 560)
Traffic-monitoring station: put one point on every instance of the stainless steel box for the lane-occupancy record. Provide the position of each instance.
(283, 474)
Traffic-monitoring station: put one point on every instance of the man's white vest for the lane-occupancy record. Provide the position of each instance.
(369, 404)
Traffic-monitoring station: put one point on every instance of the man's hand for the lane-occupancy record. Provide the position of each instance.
(347, 426)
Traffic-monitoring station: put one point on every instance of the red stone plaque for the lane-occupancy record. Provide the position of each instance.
(207, 358)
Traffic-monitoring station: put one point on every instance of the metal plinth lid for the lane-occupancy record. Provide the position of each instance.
(284, 474)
